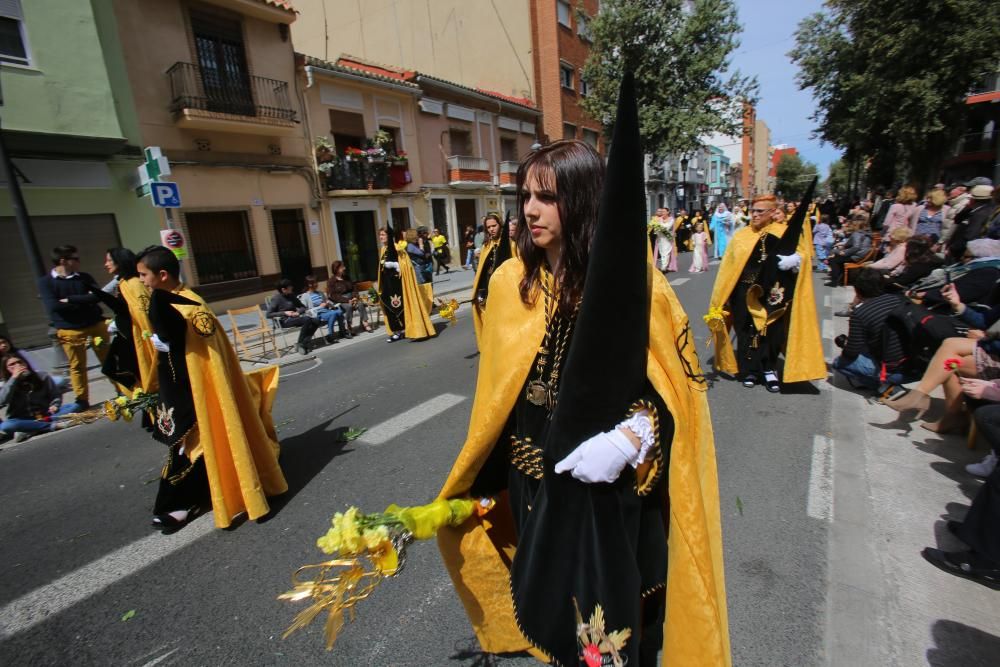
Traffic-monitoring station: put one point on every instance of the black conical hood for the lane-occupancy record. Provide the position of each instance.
(605, 369)
(788, 243)
(790, 240)
(391, 255)
(503, 250)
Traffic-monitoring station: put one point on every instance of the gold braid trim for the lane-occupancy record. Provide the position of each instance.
(526, 457)
(654, 465)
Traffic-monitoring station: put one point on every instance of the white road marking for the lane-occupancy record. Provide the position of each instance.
(678, 281)
(820, 502)
(404, 421)
(828, 331)
(163, 657)
(828, 301)
(32, 608)
(45, 601)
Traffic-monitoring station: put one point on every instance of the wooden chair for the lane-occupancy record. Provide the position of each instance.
(870, 257)
(374, 310)
(255, 331)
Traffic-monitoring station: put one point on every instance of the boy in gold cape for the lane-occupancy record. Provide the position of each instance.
(604, 544)
(215, 418)
(767, 321)
(403, 302)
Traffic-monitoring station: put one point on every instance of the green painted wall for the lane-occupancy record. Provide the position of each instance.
(66, 89)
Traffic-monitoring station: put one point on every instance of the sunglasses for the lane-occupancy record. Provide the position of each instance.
(755, 211)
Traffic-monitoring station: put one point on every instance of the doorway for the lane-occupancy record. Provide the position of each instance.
(358, 244)
(293, 244)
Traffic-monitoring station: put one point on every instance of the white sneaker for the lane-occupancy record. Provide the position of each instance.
(984, 468)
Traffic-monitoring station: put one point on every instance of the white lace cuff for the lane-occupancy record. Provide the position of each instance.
(642, 426)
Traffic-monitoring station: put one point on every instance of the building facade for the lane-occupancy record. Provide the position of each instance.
(763, 181)
(719, 191)
(977, 152)
(76, 168)
(214, 88)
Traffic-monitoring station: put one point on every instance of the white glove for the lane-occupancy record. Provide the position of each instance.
(791, 262)
(159, 344)
(392, 265)
(112, 327)
(601, 458)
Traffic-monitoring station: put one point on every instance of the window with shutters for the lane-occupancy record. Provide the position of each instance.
(223, 64)
(222, 246)
(13, 38)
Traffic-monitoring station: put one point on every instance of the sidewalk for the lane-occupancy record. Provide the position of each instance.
(892, 492)
(457, 285)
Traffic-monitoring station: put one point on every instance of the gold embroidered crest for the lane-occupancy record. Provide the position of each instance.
(776, 295)
(203, 323)
(144, 303)
(165, 420)
(396, 301)
(599, 648)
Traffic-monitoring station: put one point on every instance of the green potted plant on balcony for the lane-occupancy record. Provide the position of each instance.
(325, 150)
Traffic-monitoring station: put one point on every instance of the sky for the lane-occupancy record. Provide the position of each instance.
(768, 35)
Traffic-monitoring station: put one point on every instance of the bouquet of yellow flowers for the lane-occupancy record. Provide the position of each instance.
(448, 310)
(372, 548)
(126, 408)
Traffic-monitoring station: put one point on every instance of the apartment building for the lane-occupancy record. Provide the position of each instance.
(70, 127)
(214, 87)
(977, 152)
(763, 181)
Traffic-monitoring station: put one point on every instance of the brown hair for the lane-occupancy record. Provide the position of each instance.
(574, 172)
(906, 195)
(336, 267)
(5, 374)
(937, 197)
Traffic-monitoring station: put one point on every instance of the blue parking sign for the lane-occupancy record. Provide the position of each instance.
(165, 194)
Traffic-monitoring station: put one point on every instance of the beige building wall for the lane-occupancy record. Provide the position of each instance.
(762, 145)
(476, 43)
(220, 161)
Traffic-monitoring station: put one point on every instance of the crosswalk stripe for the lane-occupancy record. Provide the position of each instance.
(678, 281)
(415, 416)
(820, 502)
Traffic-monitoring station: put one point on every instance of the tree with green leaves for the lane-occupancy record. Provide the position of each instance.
(890, 78)
(792, 176)
(679, 52)
(836, 184)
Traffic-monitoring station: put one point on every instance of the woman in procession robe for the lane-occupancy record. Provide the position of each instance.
(403, 304)
(495, 252)
(604, 545)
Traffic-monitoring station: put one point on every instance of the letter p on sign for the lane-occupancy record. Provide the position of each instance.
(165, 194)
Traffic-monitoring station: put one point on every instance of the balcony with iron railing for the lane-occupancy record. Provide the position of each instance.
(990, 84)
(978, 142)
(507, 171)
(211, 100)
(468, 171)
(347, 177)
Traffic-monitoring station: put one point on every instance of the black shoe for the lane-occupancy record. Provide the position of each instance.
(394, 337)
(82, 404)
(749, 381)
(168, 524)
(347, 333)
(954, 527)
(302, 348)
(966, 564)
(772, 384)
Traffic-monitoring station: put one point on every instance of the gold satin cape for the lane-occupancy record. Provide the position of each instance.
(478, 553)
(416, 302)
(804, 347)
(137, 298)
(235, 432)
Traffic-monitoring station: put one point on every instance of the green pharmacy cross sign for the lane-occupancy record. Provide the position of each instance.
(153, 169)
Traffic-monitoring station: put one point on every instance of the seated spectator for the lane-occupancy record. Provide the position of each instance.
(919, 260)
(854, 249)
(324, 310)
(987, 421)
(974, 276)
(32, 398)
(822, 241)
(869, 342)
(975, 356)
(341, 291)
(981, 562)
(895, 250)
(928, 218)
(290, 313)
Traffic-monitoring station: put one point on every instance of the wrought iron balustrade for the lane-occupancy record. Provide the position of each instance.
(231, 92)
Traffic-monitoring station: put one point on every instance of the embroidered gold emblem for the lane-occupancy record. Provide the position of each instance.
(203, 323)
(165, 420)
(776, 295)
(396, 301)
(144, 303)
(599, 648)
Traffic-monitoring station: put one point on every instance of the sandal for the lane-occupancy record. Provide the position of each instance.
(750, 381)
(771, 382)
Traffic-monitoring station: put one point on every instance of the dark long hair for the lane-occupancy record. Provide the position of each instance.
(5, 376)
(124, 259)
(575, 172)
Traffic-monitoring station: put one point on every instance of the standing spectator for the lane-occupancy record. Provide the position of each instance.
(880, 209)
(324, 310)
(290, 313)
(823, 242)
(342, 292)
(442, 254)
(427, 247)
(958, 198)
(901, 211)
(928, 219)
(480, 240)
(970, 223)
(32, 399)
(855, 248)
(76, 315)
(469, 245)
(869, 342)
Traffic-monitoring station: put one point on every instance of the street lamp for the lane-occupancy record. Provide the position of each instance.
(684, 178)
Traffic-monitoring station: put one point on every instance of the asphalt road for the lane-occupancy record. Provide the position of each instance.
(84, 580)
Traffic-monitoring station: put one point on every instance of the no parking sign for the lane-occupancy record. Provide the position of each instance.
(173, 239)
